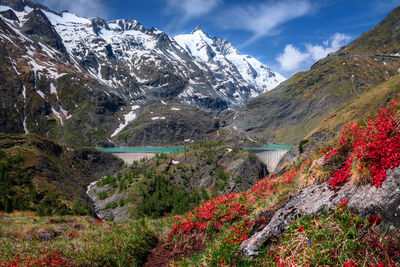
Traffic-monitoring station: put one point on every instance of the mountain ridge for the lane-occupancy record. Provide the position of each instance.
(102, 43)
(73, 74)
(294, 108)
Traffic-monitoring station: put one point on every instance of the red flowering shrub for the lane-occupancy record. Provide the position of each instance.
(227, 216)
(374, 143)
(238, 232)
(375, 219)
(228, 209)
(211, 215)
(54, 258)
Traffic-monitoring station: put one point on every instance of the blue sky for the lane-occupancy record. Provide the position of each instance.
(288, 35)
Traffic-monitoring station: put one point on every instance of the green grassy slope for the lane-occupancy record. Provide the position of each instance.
(364, 105)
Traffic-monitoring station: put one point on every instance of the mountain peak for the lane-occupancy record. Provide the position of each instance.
(203, 35)
(198, 28)
(19, 5)
(98, 24)
(135, 62)
(383, 39)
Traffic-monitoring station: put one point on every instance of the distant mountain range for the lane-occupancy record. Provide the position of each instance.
(62, 74)
(89, 82)
(139, 64)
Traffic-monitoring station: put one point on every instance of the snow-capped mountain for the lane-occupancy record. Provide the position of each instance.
(78, 80)
(140, 64)
(222, 56)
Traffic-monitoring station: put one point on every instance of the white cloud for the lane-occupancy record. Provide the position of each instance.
(263, 18)
(85, 8)
(293, 59)
(191, 8)
(334, 43)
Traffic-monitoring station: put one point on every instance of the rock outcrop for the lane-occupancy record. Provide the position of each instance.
(160, 123)
(40, 28)
(247, 170)
(366, 200)
(101, 205)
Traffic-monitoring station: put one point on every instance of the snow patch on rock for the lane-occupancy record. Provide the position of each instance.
(157, 118)
(131, 116)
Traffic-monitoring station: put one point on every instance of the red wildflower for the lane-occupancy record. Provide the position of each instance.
(349, 264)
(53, 258)
(343, 203)
(375, 144)
(72, 235)
(375, 219)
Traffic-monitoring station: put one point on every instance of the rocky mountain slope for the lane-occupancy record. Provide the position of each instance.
(62, 74)
(290, 111)
(166, 122)
(141, 64)
(43, 92)
(39, 175)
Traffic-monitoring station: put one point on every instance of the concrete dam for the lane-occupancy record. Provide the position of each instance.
(131, 154)
(270, 154)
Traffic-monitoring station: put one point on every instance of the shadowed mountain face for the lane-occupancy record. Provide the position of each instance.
(40, 175)
(161, 123)
(19, 5)
(289, 112)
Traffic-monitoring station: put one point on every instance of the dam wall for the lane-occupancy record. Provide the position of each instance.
(270, 154)
(271, 158)
(129, 158)
(131, 154)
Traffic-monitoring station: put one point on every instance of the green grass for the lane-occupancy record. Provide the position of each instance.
(102, 195)
(80, 240)
(331, 239)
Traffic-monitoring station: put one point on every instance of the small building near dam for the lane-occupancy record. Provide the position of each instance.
(130, 154)
(270, 154)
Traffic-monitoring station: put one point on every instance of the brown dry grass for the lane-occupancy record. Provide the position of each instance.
(317, 173)
(359, 177)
